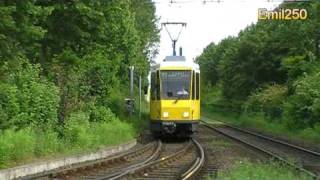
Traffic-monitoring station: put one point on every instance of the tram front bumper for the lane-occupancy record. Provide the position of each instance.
(173, 126)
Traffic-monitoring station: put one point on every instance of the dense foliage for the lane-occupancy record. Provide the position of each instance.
(271, 67)
(26, 99)
(64, 62)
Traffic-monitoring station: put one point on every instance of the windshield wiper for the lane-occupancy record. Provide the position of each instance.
(178, 98)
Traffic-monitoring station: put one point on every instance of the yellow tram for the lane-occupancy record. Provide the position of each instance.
(175, 97)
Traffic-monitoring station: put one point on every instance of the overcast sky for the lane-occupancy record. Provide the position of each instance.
(209, 22)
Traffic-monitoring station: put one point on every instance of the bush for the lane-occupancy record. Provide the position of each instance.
(303, 107)
(116, 100)
(311, 133)
(99, 113)
(27, 99)
(81, 133)
(269, 100)
(211, 94)
(75, 128)
(9, 104)
(297, 65)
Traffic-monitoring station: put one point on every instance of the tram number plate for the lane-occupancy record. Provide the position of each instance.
(168, 123)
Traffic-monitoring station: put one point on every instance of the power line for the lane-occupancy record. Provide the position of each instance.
(185, 1)
(221, 1)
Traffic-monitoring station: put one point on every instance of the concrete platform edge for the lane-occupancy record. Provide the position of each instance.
(41, 167)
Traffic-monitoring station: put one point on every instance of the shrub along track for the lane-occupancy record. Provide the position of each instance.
(160, 160)
(300, 158)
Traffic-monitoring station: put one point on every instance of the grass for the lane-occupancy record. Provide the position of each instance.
(245, 170)
(142, 122)
(220, 143)
(260, 123)
(83, 132)
(80, 135)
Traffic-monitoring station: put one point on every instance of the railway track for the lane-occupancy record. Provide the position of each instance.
(160, 160)
(302, 159)
(174, 162)
(222, 152)
(110, 166)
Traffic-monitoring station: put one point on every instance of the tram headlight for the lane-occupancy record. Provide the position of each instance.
(185, 114)
(165, 114)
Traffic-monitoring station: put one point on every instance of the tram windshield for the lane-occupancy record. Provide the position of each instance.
(175, 84)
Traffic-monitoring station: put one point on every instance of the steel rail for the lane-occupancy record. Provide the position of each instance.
(144, 166)
(275, 140)
(281, 159)
(197, 165)
(315, 153)
(130, 153)
(127, 169)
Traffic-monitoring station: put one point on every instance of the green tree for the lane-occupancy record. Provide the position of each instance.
(83, 47)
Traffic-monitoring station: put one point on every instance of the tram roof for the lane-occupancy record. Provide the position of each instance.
(176, 62)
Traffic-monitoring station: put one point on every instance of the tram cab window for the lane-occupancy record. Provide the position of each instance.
(193, 85)
(153, 86)
(158, 85)
(198, 86)
(175, 84)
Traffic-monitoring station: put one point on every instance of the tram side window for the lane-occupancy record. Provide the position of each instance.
(193, 85)
(153, 86)
(158, 85)
(198, 86)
